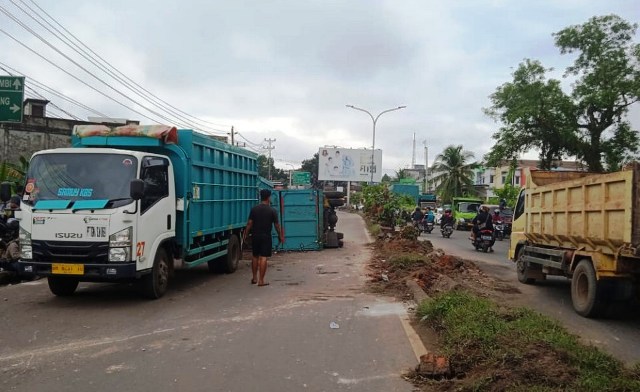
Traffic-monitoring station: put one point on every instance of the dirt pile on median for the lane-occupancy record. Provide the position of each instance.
(397, 259)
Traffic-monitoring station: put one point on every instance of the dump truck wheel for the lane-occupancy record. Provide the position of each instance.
(233, 255)
(587, 291)
(155, 284)
(62, 286)
(522, 268)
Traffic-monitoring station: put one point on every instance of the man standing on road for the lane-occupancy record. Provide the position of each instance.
(261, 218)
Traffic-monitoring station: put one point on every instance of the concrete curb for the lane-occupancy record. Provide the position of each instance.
(418, 294)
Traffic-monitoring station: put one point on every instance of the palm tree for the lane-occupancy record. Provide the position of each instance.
(454, 172)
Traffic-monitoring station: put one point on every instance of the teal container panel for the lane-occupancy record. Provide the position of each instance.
(300, 214)
(222, 185)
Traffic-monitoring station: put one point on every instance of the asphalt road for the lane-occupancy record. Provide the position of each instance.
(619, 337)
(215, 332)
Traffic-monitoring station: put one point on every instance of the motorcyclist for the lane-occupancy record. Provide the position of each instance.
(447, 218)
(496, 215)
(482, 221)
(10, 255)
(417, 215)
(429, 217)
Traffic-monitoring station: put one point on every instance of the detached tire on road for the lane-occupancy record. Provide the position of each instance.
(336, 202)
(334, 195)
(587, 293)
(62, 286)
(155, 284)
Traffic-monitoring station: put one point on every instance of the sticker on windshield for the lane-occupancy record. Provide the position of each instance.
(30, 186)
(127, 162)
(75, 192)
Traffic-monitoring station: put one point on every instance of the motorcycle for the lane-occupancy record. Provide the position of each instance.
(498, 228)
(428, 227)
(484, 240)
(446, 231)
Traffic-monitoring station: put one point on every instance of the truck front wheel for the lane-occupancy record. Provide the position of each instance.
(155, 284)
(587, 291)
(522, 268)
(62, 286)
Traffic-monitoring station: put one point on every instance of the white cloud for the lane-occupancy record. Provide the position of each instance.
(286, 69)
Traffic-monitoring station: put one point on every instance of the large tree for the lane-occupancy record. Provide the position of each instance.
(590, 122)
(535, 113)
(453, 172)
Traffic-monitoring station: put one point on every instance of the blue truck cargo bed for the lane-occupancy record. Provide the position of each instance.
(218, 182)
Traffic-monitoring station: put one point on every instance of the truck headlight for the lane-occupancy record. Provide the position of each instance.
(120, 246)
(26, 251)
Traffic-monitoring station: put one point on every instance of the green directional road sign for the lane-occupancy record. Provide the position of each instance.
(11, 97)
(301, 178)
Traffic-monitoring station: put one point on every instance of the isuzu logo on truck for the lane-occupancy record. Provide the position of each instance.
(68, 235)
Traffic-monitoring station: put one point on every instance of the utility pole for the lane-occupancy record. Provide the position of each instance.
(232, 137)
(270, 147)
(426, 167)
(413, 152)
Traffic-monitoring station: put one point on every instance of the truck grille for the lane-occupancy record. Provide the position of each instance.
(70, 252)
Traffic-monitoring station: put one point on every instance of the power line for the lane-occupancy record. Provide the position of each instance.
(109, 69)
(50, 90)
(78, 79)
(249, 141)
(88, 57)
(46, 42)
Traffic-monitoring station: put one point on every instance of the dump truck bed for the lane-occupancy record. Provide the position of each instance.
(597, 212)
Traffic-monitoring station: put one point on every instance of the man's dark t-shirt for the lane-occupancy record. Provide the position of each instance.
(263, 217)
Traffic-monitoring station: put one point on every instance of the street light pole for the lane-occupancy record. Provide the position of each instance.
(375, 120)
(290, 173)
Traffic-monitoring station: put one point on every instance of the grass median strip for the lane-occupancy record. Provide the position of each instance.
(492, 347)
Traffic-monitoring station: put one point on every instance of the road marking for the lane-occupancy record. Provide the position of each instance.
(354, 381)
(414, 340)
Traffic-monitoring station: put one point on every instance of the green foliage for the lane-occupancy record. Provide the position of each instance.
(406, 260)
(14, 172)
(264, 164)
(465, 320)
(535, 113)
(386, 178)
(590, 122)
(454, 173)
(509, 193)
(401, 174)
(383, 206)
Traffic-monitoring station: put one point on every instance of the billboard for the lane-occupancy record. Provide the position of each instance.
(349, 164)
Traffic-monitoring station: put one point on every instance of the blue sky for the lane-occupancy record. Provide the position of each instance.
(286, 69)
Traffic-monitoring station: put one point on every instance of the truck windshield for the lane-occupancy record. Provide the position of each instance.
(468, 207)
(80, 177)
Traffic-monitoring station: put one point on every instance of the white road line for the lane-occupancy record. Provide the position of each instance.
(414, 340)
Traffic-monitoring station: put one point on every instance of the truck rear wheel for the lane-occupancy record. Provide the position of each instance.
(62, 286)
(522, 268)
(155, 284)
(230, 264)
(587, 291)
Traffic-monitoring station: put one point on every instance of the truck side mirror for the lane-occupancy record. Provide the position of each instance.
(5, 192)
(136, 189)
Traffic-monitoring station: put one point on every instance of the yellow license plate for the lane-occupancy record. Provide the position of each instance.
(67, 269)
